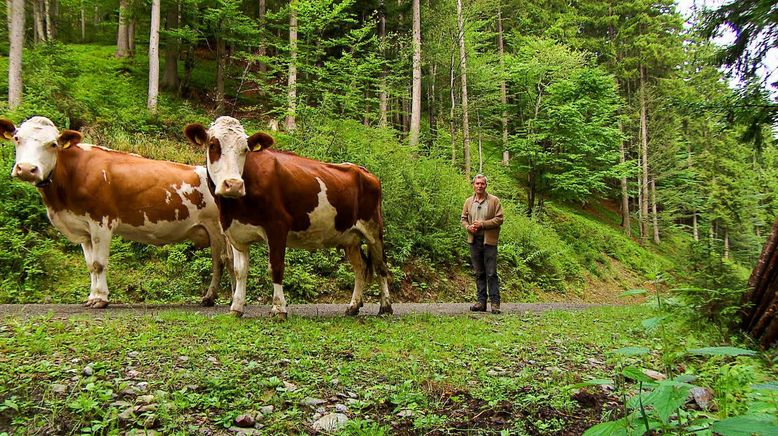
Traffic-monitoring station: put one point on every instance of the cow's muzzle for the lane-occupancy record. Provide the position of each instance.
(27, 173)
(232, 188)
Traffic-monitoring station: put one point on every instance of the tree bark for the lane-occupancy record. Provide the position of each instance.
(122, 34)
(47, 16)
(451, 112)
(131, 36)
(382, 91)
(726, 242)
(262, 50)
(759, 318)
(463, 66)
(503, 89)
(654, 215)
(625, 218)
(83, 23)
(16, 40)
(221, 63)
(644, 152)
(431, 103)
(170, 80)
(292, 82)
(415, 128)
(154, 56)
(39, 31)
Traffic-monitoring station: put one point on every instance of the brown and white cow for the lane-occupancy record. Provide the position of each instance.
(291, 201)
(92, 193)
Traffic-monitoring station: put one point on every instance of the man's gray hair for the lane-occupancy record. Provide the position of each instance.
(480, 176)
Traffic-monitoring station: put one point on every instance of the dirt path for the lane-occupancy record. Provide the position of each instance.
(253, 311)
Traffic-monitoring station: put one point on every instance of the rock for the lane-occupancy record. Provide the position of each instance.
(312, 402)
(183, 358)
(405, 413)
(654, 374)
(266, 410)
(142, 386)
(133, 354)
(321, 410)
(151, 421)
(351, 394)
(243, 431)
(129, 391)
(146, 408)
(316, 416)
(245, 421)
(334, 382)
(330, 422)
(352, 401)
(127, 415)
(121, 404)
(88, 370)
(290, 386)
(342, 408)
(146, 399)
(594, 361)
(132, 374)
(59, 389)
(142, 432)
(702, 396)
(213, 360)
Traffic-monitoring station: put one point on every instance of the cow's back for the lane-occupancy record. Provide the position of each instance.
(141, 199)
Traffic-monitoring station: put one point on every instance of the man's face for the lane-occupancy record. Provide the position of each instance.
(479, 186)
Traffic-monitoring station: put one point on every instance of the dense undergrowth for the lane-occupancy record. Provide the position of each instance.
(559, 256)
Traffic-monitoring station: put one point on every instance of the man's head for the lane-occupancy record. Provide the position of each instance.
(479, 184)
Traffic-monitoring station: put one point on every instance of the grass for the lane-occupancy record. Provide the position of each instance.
(184, 373)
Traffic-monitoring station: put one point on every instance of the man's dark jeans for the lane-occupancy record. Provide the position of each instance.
(484, 259)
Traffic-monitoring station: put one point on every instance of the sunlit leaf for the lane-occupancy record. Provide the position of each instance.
(595, 382)
(746, 425)
(722, 351)
(667, 398)
(632, 292)
(631, 351)
(636, 374)
(615, 428)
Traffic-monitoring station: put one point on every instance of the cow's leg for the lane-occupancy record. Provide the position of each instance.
(376, 247)
(276, 254)
(96, 253)
(218, 248)
(354, 254)
(240, 256)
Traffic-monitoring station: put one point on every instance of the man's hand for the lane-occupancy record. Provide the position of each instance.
(474, 227)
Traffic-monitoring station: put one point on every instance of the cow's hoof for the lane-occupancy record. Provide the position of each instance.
(89, 303)
(385, 310)
(353, 310)
(278, 316)
(207, 302)
(99, 304)
(236, 313)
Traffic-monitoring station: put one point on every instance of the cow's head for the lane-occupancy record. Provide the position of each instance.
(227, 147)
(37, 141)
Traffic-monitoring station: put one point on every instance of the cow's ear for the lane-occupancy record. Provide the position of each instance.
(7, 129)
(260, 141)
(68, 138)
(196, 133)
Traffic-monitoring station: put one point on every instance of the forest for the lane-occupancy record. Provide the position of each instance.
(632, 143)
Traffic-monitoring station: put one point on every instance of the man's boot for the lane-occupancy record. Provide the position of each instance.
(478, 307)
(495, 308)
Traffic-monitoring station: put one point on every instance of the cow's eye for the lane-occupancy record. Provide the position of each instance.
(53, 145)
(16, 138)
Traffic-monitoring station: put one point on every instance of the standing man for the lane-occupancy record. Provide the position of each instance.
(482, 218)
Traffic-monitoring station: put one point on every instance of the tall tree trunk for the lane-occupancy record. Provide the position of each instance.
(131, 36)
(625, 218)
(695, 227)
(413, 138)
(221, 63)
(39, 27)
(644, 152)
(83, 22)
(292, 83)
(154, 56)
(122, 35)
(47, 16)
(170, 79)
(531, 182)
(463, 66)
(366, 116)
(262, 50)
(189, 62)
(761, 298)
(451, 112)
(654, 215)
(726, 242)
(641, 220)
(503, 89)
(16, 40)
(431, 102)
(382, 91)
(480, 145)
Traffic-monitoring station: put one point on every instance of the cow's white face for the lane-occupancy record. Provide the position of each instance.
(227, 147)
(36, 140)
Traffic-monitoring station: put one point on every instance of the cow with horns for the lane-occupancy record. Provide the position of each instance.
(92, 193)
(291, 201)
